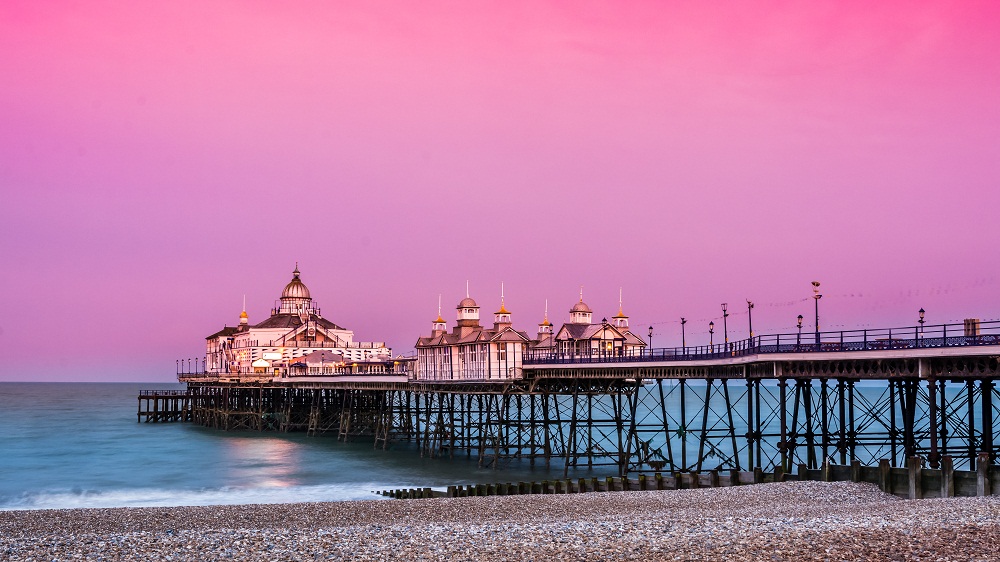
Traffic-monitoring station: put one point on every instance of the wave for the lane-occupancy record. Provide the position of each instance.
(157, 497)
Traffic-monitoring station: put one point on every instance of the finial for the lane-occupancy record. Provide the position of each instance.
(439, 320)
(620, 302)
(501, 294)
(546, 310)
(296, 272)
(244, 302)
(466, 288)
(581, 293)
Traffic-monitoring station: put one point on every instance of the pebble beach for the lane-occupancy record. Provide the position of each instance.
(783, 521)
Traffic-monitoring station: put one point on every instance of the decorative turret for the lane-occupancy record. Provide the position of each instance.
(619, 320)
(244, 317)
(295, 299)
(580, 313)
(439, 326)
(545, 327)
(468, 311)
(501, 318)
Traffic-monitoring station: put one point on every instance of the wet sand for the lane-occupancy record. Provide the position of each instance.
(786, 521)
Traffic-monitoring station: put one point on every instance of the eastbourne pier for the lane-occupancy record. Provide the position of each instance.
(593, 394)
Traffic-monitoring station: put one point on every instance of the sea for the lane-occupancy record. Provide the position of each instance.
(78, 445)
(70, 445)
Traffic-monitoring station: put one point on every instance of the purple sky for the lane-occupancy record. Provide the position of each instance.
(160, 159)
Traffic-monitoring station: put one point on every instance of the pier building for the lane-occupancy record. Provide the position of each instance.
(582, 337)
(288, 340)
(592, 394)
(471, 352)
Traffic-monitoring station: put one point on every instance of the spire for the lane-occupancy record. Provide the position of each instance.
(502, 316)
(467, 288)
(581, 293)
(545, 328)
(545, 319)
(620, 319)
(503, 309)
(244, 319)
(620, 313)
(439, 325)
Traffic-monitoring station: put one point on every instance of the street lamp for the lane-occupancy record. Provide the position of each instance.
(650, 341)
(711, 331)
(750, 319)
(921, 312)
(816, 297)
(798, 338)
(725, 329)
(683, 339)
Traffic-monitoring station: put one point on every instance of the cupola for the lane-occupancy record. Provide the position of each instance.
(295, 298)
(501, 318)
(580, 313)
(468, 311)
(620, 320)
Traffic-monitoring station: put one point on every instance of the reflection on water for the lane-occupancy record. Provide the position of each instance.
(263, 463)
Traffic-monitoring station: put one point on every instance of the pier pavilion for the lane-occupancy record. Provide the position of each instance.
(772, 401)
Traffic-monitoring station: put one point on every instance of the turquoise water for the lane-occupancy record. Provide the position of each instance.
(78, 445)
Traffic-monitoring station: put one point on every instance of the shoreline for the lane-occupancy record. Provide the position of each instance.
(784, 521)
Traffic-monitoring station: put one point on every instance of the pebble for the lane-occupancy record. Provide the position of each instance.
(783, 521)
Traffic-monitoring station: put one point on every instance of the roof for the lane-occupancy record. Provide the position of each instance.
(225, 332)
(588, 331)
(295, 289)
(633, 339)
(467, 302)
(580, 307)
(474, 336)
(289, 321)
(322, 356)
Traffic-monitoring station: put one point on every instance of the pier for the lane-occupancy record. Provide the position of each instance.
(769, 402)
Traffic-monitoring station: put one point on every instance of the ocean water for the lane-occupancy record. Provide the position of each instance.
(67, 445)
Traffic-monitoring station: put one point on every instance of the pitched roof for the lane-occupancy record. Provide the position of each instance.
(225, 332)
(289, 321)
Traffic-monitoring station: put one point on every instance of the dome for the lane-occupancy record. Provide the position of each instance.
(295, 289)
(467, 302)
(580, 307)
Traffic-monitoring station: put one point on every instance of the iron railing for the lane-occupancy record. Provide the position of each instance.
(913, 337)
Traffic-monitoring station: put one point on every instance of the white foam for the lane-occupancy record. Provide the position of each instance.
(154, 497)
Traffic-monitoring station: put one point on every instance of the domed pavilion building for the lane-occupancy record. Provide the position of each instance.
(290, 339)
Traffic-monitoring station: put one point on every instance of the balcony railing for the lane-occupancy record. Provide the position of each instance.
(914, 337)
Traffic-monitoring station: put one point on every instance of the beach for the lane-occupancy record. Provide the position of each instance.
(783, 521)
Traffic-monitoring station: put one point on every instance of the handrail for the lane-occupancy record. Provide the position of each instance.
(173, 392)
(914, 337)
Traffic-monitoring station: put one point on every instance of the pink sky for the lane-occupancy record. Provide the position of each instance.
(160, 159)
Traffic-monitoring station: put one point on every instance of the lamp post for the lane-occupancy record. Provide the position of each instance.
(711, 331)
(683, 339)
(798, 338)
(725, 329)
(816, 297)
(604, 335)
(650, 341)
(921, 321)
(750, 319)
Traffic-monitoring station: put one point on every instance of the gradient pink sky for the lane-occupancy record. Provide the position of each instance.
(159, 160)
